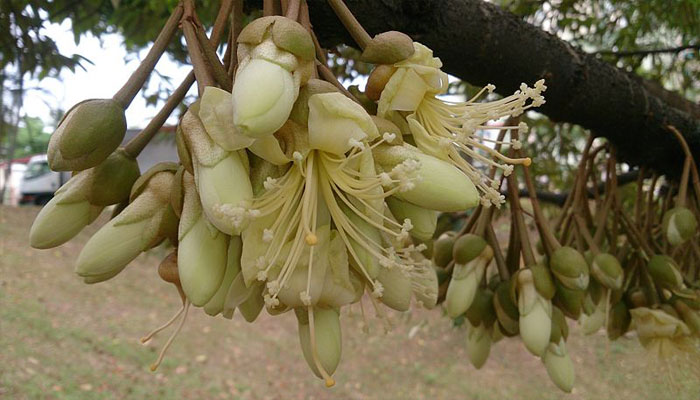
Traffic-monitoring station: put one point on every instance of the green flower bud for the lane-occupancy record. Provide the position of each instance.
(442, 249)
(325, 347)
(144, 223)
(570, 301)
(427, 181)
(559, 366)
(202, 249)
(481, 310)
(253, 304)
(592, 323)
(506, 309)
(377, 80)
(86, 135)
(222, 177)
(397, 289)
(608, 271)
(424, 221)
(233, 268)
(618, 320)
(679, 225)
(388, 48)
(664, 271)
(637, 297)
(543, 281)
(570, 268)
(465, 281)
(535, 314)
(467, 247)
(78, 202)
(478, 345)
(560, 329)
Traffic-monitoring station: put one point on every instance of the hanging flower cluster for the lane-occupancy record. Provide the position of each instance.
(289, 195)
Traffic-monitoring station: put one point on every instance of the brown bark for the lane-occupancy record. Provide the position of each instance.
(481, 43)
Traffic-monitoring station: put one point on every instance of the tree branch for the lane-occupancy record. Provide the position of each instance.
(482, 43)
(632, 53)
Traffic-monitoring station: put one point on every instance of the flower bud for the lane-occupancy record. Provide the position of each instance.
(336, 122)
(560, 328)
(559, 366)
(543, 281)
(397, 288)
(465, 280)
(607, 270)
(222, 177)
(570, 268)
(570, 301)
(679, 225)
(592, 323)
(424, 221)
(377, 80)
(144, 223)
(506, 309)
(326, 346)
(215, 305)
(443, 248)
(535, 314)
(427, 181)
(275, 58)
(664, 271)
(77, 203)
(467, 247)
(478, 345)
(481, 310)
(86, 135)
(250, 308)
(618, 320)
(202, 249)
(388, 48)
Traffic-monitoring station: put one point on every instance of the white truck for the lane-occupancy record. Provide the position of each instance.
(39, 183)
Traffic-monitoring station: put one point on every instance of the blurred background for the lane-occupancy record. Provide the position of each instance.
(60, 338)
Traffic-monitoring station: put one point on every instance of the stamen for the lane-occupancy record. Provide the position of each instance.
(156, 364)
(150, 335)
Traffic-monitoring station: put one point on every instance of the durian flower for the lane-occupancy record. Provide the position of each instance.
(321, 234)
(275, 58)
(535, 314)
(478, 344)
(662, 334)
(559, 366)
(144, 223)
(447, 129)
(221, 176)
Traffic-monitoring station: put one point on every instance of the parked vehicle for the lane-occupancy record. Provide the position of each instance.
(39, 183)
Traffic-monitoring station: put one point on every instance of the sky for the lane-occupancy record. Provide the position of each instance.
(110, 71)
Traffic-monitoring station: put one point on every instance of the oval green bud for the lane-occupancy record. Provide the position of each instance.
(607, 270)
(543, 281)
(467, 247)
(233, 267)
(570, 268)
(442, 249)
(679, 224)
(423, 220)
(665, 272)
(388, 48)
(618, 320)
(570, 301)
(535, 320)
(86, 135)
(326, 346)
(559, 366)
(478, 345)
(397, 290)
(506, 309)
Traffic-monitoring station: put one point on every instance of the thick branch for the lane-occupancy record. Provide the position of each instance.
(482, 44)
(647, 52)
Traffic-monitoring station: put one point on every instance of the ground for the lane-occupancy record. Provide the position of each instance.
(63, 339)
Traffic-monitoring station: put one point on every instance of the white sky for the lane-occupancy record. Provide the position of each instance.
(101, 80)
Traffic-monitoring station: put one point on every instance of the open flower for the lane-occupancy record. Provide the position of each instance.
(447, 129)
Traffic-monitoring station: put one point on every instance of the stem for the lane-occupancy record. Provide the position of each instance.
(517, 215)
(199, 63)
(212, 60)
(292, 11)
(236, 27)
(271, 7)
(358, 33)
(328, 76)
(126, 94)
(497, 253)
(139, 142)
(687, 164)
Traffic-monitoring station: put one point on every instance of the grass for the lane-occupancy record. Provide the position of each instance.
(62, 339)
